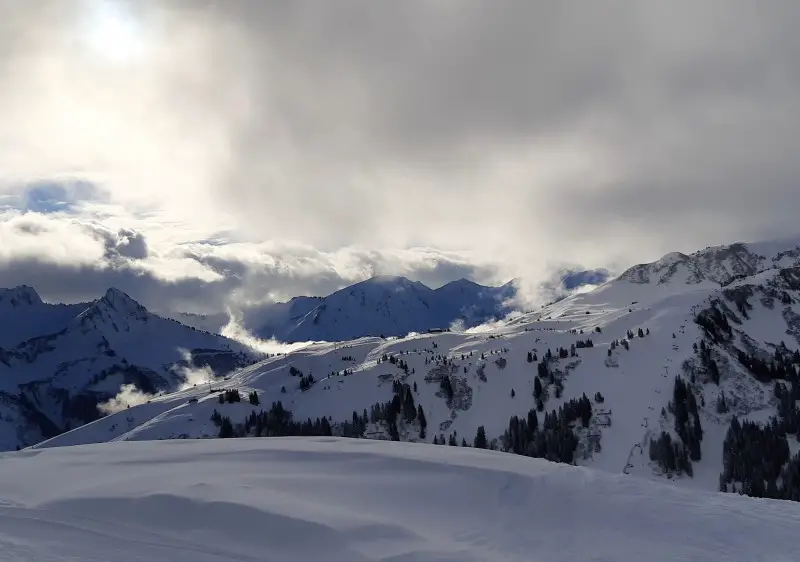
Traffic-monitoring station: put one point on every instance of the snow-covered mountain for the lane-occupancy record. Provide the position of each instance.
(24, 315)
(643, 375)
(572, 279)
(389, 306)
(66, 359)
(567, 282)
(278, 318)
(717, 264)
(341, 500)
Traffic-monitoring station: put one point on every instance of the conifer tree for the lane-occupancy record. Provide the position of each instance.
(423, 423)
(480, 438)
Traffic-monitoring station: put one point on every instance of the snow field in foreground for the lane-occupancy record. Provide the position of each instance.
(342, 500)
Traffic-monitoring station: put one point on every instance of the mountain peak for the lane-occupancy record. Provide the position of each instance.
(388, 280)
(392, 283)
(120, 301)
(23, 295)
(463, 282)
(114, 306)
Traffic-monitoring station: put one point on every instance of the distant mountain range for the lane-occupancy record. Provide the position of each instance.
(391, 306)
(388, 306)
(58, 362)
(686, 369)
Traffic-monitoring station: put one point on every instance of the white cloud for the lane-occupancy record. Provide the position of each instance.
(236, 331)
(127, 397)
(36, 237)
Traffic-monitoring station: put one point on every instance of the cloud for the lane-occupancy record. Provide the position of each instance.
(193, 376)
(72, 259)
(235, 330)
(530, 133)
(127, 396)
(124, 242)
(242, 151)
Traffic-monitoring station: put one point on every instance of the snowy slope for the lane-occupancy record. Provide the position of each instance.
(487, 363)
(633, 390)
(286, 500)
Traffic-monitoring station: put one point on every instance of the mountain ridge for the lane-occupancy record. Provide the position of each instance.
(75, 357)
(395, 306)
(718, 264)
(609, 370)
(462, 301)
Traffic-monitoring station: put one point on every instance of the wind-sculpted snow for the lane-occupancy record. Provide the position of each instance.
(287, 500)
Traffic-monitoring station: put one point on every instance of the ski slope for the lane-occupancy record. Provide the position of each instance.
(339, 500)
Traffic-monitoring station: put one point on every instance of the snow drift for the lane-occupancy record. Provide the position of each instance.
(356, 501)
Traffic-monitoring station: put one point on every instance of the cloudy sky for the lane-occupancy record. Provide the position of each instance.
(191, 151)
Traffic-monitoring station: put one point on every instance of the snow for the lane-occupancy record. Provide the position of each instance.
(636, 383)
(718, 264)
(25, 315)
(173, 494)
(635, 389)
(355, 501)
(87, 352)
(384, 305)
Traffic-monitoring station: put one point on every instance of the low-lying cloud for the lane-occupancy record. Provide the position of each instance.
(236, 331)
(127, 397)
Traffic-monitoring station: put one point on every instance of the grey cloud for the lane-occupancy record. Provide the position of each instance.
(124, 242)
(531, 134)
(398, 123)
(57, 283)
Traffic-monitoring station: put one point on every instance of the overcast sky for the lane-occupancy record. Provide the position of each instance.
(191, 151)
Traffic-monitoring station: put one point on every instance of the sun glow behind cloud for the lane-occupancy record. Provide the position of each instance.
(111, 30)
